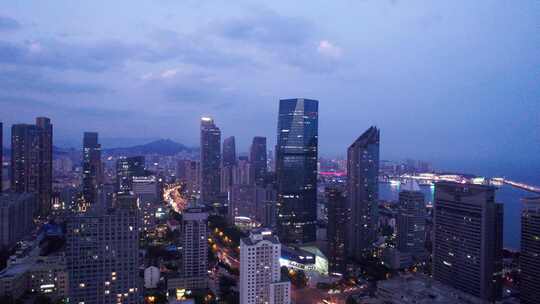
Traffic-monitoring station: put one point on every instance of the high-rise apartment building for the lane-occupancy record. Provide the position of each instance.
(102, 252)
(194, 268)
(363, 191)
(467, 245)
(260, 274)
(338, 215)
(31, 160)
(257, 159)
(296, 170)
(529, 259)
(411, 221)
(210, 161)
(91, 175)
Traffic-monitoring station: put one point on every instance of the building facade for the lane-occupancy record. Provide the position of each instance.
(195, 249)
(467, 244)
(257, 159)
(529, 260)
(102, 253)
(296, 170)
(31, 160)
(411, 221)
(260, 273)
(92, 170)
(228, 164)
(126, 169)
(210, 179)
(363, 191)
(338, 216)
(17, 212)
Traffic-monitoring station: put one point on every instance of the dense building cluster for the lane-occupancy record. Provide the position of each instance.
(214, 225)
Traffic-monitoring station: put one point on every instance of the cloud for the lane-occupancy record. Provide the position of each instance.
(8, 24)
(197, 48)
(92, 57)
(25, 81)
(326, 48)
(268, 28)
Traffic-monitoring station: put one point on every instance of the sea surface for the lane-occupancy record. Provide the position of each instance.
(508, 195)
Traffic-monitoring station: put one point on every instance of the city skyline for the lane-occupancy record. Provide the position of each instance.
(66, 72)
(375, 151)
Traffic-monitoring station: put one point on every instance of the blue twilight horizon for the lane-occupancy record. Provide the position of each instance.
(443, 80)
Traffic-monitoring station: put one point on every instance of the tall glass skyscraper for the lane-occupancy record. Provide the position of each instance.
(91, 179)
(257, 159)
(210, 161)
(228, 163)
(363, 191)
(296, 170)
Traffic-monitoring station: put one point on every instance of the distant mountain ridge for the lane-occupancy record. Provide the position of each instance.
(161, 147)
(166, 147)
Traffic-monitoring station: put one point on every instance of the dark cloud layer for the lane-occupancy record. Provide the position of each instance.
(8, 24)
(453, 80)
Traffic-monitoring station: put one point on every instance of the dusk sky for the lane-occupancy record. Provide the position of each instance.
(452, 81)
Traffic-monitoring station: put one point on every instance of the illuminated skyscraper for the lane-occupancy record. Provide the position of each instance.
(31, 160)
(363, 191)
(257, 159)
(530, 251)
(467, 245)
(210, 161)
(91, 175)
(296, 170)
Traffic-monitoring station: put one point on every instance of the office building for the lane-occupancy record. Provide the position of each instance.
(17, 212)
(34, 274)
(260, 274)
(228, 164)
(467, 245)
(338, 216)
(91, 175)
(363, 192)
(257, 159)
(126, 169)
(296, 170)
(210, 181)
(529, 259)
(31, 160)
(102, 252)
(229, 151)
(411, 221)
